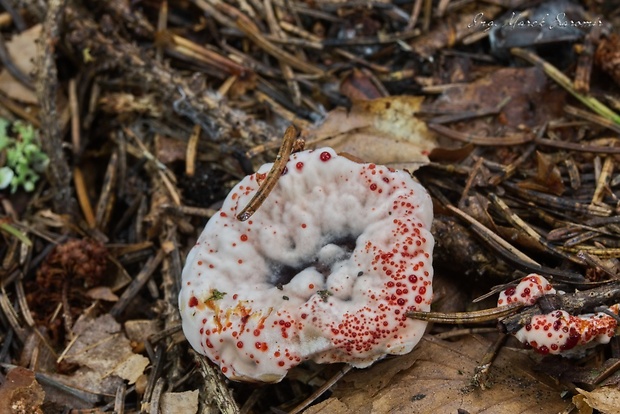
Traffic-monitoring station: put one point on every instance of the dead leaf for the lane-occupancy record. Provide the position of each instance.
(604, 399)
(383, 131)
(437, 377)
(102, 293)
(169, 150)
(139, 330)
(179, 402)
(21, 393)
(531, 102)
(104, 356)
(581, 404)
(131, 368)
(23, 50)
(357, 85)
(548, 178)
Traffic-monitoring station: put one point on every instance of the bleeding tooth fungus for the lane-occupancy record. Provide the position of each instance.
(558, 331)
(325, 270)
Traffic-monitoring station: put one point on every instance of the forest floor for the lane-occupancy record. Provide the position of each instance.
(124, 125)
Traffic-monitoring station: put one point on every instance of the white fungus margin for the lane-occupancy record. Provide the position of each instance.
(325, 270)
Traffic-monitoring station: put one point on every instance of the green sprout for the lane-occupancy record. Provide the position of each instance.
(24, 158)
(324, 294)
(216, 295)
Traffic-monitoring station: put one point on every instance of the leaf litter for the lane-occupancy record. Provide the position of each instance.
(437, 376)
(151, 111)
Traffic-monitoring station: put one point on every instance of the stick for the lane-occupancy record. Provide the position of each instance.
(272, 176)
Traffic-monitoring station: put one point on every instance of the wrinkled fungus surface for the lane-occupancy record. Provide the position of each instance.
(528, 291)
(325, 270)
(557, 332)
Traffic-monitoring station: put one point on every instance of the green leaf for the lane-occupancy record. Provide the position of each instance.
(6, 175)
(24, 157)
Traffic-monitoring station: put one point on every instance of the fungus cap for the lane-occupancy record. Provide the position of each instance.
(325, 270)
(529, 289)
(557, 332)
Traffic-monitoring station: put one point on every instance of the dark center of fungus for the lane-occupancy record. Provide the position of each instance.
(281, 273)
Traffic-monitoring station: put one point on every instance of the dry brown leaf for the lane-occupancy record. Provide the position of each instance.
(437, 377)
(131, 368)
(582, 406)
(139, 330)
(531, 102)
(104, 355)
(604, 399)
(102, 293)
(548, 178)
(357, 85)
(22, 49)
(383, 131)
(179, 402)
(20, 393)
(169, 150)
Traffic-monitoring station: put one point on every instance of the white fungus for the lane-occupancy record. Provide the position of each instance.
(557, 332)
(325, 270)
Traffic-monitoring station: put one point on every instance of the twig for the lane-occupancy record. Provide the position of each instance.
(415, 13)
(481, 372)
(75, 117)
(464, 115)
(477, 225)
(171, 268)
(137, 284)
(119, 399)
(457, 318)
(59, 174)
(180, 45)
(520, 224)
(321, 390)
(83, 199)
(156, 396)
(590, 117)
(554, 202)
(576, 146)
(107, 195)
(273, 175)
(244, 24)
(215, 117)
(157, 362)
(190, 155)
(508, 252)
(215, 387)
(66, 307)
(602, 183)
(287, 71)
(480, 140)
(162, 25)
